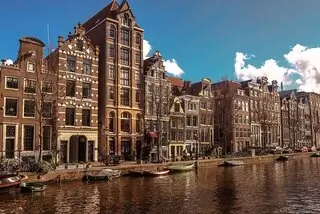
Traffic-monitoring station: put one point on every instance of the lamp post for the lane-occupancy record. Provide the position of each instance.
(197, 148)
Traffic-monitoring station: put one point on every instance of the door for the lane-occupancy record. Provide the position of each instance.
(63, 151)
(90, 151)
(82, 150)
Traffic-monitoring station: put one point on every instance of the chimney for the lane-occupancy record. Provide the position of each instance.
(186, 84)
(60, 41)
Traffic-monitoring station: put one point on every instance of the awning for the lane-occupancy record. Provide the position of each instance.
(152, 135)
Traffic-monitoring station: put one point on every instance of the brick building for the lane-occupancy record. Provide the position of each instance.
(115, 31)
(75, 62)
(232, 125)
(26, 115)
(156, 98)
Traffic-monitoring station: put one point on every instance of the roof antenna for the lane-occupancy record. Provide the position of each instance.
(48, 34)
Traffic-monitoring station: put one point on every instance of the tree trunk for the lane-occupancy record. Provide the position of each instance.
(40, 144)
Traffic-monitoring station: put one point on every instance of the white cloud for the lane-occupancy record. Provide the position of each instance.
(146, 48)
(8, 62)
(303, 62)
(171, 65)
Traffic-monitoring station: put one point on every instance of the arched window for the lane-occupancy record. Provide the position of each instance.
(125, 122)
(112, 32)
(111, 121)
(138, 123)
(138, 39)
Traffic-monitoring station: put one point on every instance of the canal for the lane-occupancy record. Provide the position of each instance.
(267, 187)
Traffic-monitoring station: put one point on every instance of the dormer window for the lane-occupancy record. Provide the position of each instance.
(177, 107)
(79, 45)
(31, 67)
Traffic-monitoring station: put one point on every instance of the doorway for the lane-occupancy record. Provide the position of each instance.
(78, 149)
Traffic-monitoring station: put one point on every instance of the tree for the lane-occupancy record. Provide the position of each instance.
(44, 91)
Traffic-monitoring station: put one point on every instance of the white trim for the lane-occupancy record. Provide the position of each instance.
(5, 83)
(34, 67)
(34, 137)
(5, 102)
(23, 108)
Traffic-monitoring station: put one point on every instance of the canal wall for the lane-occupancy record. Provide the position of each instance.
(77, 172)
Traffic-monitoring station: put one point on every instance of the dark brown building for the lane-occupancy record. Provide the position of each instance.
(115, 31)
(75, 63)
(26, 114)
(232, 125)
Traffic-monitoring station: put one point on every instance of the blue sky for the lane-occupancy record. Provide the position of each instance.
(202, 36)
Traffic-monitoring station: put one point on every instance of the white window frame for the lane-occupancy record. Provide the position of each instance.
(5, 102)
(15, 89)
(34, 67)
(23, 109)
(34, 137)
(42, 85)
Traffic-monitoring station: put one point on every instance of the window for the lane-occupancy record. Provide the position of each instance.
(177, 107)
(71, 63)
(46, 135)
(79, 45)
(138, 39)
(124, 57)
(188, 120)
(125, 96)
(209, 106)
(125, 20)
(180, 137)
(87, 66)
(173, 136)
(112, 32)
(12, 82)
(195, 121)
(31, 67)
(71, 88)
(138, 96)
(174, 123)
(203, 119)
(46, 87)
(111, 72)
(46, 109)
(125, 122)
(138, 57)
(111, 92)
(70, 116)
(30, 86)
(125, 77)
(111, 121)
(29, 108)
(86, 117)
(11, 108)
(202, 105)
(125, 37)
(149, 107)
(112, 51)
(10, 141)
(86, 90)
(137, 78)
(138, 123)
(188, 135)
(28, 137)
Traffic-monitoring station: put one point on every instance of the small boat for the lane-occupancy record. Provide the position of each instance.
(155, 173)
(134, 173)
(32, 187)
(104, 175)
(282, 158)
(10, 181)
(231, 163)
(315, 155)
(180, 168)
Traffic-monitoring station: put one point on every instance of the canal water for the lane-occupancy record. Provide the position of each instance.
(267, 187)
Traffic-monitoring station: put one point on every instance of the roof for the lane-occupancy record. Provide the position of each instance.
(32, 40)
(195, 88)
(287, 93)
(175, 81)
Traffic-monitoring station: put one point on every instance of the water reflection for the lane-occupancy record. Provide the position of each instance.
(290, 187)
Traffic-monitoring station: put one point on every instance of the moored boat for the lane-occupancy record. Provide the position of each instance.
(231, 163)
(32, 187)
(135, 173)
(282, 158)
(315, 155)
(104, 175)
(155, 173)
(111, 173)
(10, 181)
(96, 177)
(180, 168)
